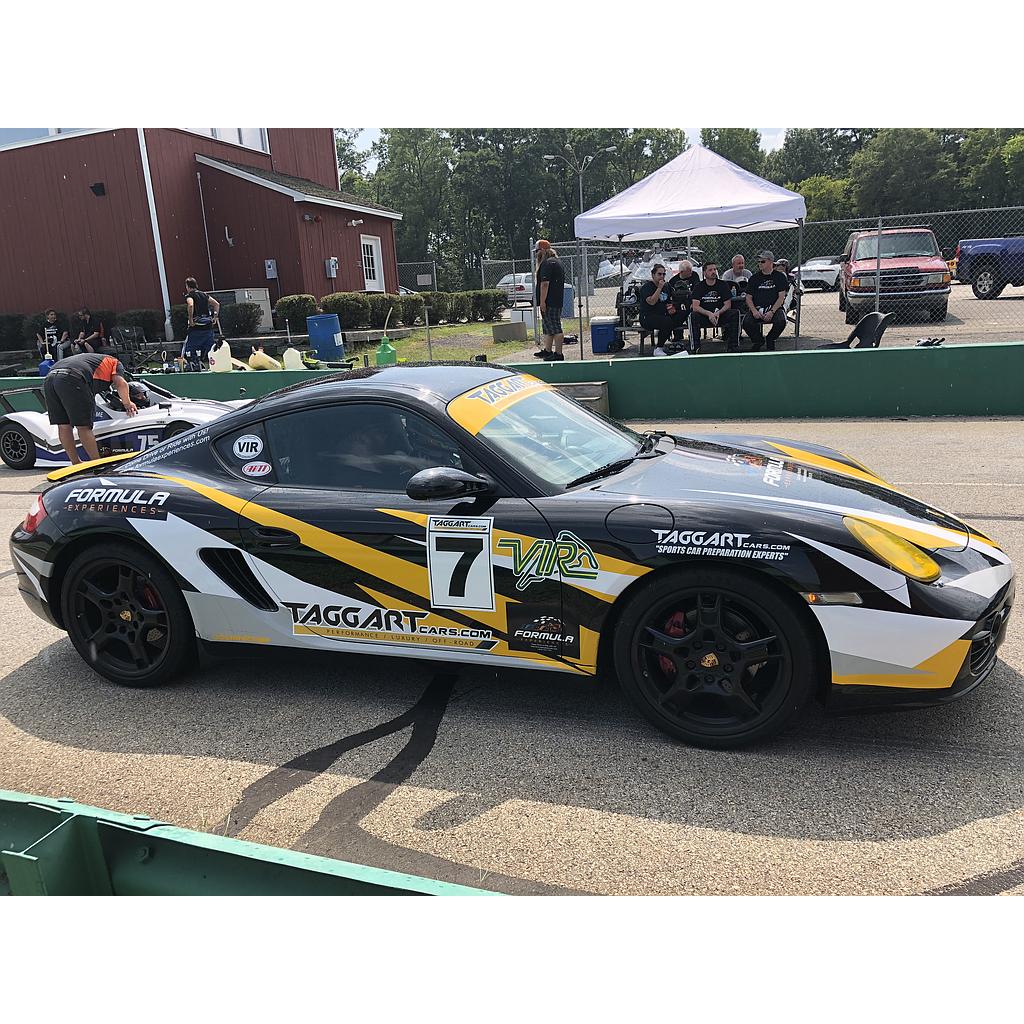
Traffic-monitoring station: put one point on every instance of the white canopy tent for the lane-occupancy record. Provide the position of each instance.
(697, 193)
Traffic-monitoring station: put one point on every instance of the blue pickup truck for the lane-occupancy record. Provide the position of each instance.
(988, 265)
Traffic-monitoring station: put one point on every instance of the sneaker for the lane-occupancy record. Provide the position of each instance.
(554, 357)
(541, 354)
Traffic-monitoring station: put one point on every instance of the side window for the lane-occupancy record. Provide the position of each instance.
(358, 446)
(244, 452)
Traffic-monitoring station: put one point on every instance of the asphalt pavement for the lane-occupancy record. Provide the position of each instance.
(533, 783)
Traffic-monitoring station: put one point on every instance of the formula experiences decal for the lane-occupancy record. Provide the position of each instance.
(720, 543)
(541, 634)
(117, 501)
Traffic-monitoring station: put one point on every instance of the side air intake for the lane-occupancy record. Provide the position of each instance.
(231, 567)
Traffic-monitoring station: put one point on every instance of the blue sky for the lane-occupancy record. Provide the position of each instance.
(771, 138)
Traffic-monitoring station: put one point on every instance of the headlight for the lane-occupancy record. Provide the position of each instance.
(903, 556)
(936, 278)
(863, 282)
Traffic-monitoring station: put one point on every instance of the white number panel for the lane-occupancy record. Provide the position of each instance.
(459, 562)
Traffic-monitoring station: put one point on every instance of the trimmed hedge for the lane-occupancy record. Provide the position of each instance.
(381, 304)
(439, 304)
(293, 310)
(11, 326)
(411, 309)
(240, 319)
(488, 304)
(150, 321)
(460, 307)
(352, 308)
(179, 321)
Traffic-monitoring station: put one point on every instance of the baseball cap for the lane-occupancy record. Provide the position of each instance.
(766, 254)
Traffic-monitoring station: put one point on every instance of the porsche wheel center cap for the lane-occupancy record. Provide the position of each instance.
(709, 661)
(127, 616)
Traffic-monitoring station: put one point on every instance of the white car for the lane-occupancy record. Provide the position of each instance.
(27, 436)
(517, 287)
(821, 272)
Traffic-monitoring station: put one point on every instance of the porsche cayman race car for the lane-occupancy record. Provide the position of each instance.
(27, 437)
(471, 514)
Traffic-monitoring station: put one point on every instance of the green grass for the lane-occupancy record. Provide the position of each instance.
(463, 342)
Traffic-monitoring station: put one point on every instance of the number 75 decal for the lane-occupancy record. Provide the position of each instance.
(459, 562)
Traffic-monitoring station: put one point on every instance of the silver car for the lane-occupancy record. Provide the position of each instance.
(821, 272)
(518, 288)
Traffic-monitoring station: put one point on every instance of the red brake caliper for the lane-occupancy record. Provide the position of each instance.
(675, 626)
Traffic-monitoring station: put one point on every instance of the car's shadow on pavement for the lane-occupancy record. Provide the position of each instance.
(493, 736)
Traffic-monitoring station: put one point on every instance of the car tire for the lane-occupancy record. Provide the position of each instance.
(851, 314)
(671, 642)
(174, 429)
(17, 448)
(126, 616)
(939, 313)
(987, 283)
(833, 287)
(842, 299)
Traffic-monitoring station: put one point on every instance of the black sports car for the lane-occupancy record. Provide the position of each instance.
(470, 513)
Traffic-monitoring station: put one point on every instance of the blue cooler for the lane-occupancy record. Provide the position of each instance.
(325, 336)
(602, 332)
(567, 300)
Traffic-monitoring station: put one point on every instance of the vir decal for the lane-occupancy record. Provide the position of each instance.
(566, 556)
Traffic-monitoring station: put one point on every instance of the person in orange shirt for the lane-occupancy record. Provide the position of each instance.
(70, 390)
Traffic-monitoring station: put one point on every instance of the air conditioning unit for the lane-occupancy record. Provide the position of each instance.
(261, 296)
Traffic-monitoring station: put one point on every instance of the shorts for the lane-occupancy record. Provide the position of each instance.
(70, 400)
(551, 321)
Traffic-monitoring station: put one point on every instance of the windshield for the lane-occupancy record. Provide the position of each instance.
(897, 246)
(541, 432)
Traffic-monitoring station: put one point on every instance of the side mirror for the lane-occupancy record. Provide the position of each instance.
(446, 482)
(947, 252)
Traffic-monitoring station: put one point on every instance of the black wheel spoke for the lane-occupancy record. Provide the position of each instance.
(678, 694)
(709, 610)
(102, 599)
(756, 651)
(661, 643)
(126, 580)
(742, 701)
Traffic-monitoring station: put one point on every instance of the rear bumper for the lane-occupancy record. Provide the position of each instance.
(33, 578)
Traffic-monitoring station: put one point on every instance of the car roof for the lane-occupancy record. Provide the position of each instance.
(444, 380)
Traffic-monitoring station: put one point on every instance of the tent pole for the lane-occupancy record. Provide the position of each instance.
(799, 263)
(622, 294)
(579, 298)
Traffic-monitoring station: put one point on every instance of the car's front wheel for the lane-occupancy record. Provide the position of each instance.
(17, 448)
(715, 657)
(126, 616)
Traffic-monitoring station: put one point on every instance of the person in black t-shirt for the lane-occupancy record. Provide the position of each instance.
(658, 311)
(766, 294)
(51, 336)
(203, 311)
(712, 307)
(549, 295)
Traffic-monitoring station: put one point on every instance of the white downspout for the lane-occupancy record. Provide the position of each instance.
(161, 270)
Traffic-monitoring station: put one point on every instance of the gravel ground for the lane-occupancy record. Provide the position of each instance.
(531, 783)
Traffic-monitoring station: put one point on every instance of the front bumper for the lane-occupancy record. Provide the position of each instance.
(921, 297)
(985, 638)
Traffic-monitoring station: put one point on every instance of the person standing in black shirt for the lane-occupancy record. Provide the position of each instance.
(712, 307)
(199, 339)
(766, 293)
(549, 295)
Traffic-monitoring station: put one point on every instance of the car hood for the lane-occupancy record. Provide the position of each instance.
(899, 263)
(784, 475)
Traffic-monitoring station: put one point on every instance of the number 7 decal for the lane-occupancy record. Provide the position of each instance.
(459, 563)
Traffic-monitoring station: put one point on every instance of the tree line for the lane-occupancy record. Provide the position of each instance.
(468, 194)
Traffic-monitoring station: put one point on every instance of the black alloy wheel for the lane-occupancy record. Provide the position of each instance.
(126, 616)
(715, 658)
(17, 448)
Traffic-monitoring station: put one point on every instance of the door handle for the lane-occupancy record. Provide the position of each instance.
(272, 537)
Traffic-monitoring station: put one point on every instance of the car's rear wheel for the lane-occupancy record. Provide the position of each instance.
(842, 301)
(852, 315)
(17, 448)
(987, 283)
(939, 313)
(714, 657)
(126, 616)
(174, 429)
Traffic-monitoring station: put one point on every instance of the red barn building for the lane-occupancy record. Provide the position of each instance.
(118, 218)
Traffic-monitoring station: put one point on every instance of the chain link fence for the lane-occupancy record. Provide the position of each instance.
(418, 277)
(957, 274)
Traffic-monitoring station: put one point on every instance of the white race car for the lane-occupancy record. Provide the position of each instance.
(27, 437)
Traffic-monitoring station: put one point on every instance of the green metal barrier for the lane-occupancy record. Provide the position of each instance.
(954, 380)
(62, 848)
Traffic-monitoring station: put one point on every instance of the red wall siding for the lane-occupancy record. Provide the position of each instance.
(333, 237)
(263, 225)
(59, 244)
(172, 161)
(306, 153)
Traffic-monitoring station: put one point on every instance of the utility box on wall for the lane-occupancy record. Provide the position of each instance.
(331, 266)
(261, 296)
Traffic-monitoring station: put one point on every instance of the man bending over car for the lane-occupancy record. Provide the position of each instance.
(70, 390)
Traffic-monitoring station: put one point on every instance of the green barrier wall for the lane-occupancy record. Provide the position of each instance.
(964, 380)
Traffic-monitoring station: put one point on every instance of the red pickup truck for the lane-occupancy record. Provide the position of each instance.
(913, 273)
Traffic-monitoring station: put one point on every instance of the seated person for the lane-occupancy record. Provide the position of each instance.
(712, 307)
(766, 295)
(657, 311)
(51, 336)
(87, 332)
(737, 275)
